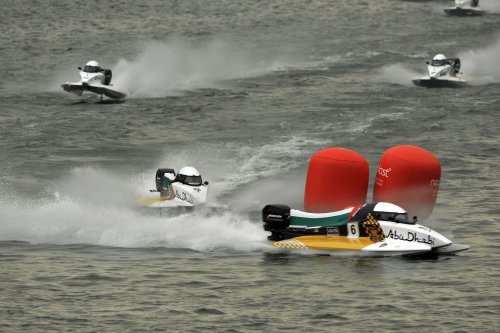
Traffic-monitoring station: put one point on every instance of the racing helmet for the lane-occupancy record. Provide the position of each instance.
(390, 212)
(384, 211)
(439, 60)
(189, 176)
(92, 67)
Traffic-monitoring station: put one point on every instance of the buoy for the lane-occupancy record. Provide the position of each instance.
(336, 178)
(409, 177)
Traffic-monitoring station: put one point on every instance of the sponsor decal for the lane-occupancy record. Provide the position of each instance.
(434, 183)
(425, 228)
(184, 197)
(332, 231)
(274, 216)
(410, 237)
(373, 229)
(384, 172)
(197, 189)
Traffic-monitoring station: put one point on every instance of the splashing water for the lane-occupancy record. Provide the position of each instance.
(492, 6)
(68, 221)
(397, 73)
(482, 65)
(168, 68)
(91, 206)
(95, 206)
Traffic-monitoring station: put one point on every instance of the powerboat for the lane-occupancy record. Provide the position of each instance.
(373, 229)
(465, 8)
(184, 189)
(443, 73)
(96, 80)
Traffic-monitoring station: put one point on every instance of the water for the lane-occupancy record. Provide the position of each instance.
(246, 92)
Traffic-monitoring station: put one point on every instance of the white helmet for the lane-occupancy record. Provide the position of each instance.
(188, 171)
(439, 57)
(189, 176)
(439, 60)
(390, 212)
(92, 67)
(388, 207)
(93, 63)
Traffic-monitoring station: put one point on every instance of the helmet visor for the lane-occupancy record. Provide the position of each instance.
(91, 69)
(438, 62)
(192, 180)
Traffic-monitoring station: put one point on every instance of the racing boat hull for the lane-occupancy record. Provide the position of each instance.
(78, 88)
(451, 82)
(96, 80)
(361, 246)
(160, 202)
(451, 249)
(457, 11)
(443, 72)
(180, 196)
(354, 231)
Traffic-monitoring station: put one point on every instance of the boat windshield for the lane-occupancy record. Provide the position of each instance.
(394, 217)
(91, 69)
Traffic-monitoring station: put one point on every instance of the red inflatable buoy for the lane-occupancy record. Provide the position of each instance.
(336, 178)
(408, 176)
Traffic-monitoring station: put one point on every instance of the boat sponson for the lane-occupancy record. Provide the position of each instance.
(323, 242)
(463, 11)
(433, 83)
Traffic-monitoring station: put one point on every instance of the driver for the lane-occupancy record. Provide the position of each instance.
(92, 67)
(439, 60)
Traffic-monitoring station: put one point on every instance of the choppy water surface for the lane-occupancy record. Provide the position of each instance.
(246, 92)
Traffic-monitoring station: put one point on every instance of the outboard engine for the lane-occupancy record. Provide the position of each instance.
(276, 217)
(455, 65)
(107, 76)
(159, 177)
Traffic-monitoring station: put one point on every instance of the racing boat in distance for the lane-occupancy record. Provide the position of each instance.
(443, 73)
(184, 189)
(374, 229)
(465, 8)
(96, 80)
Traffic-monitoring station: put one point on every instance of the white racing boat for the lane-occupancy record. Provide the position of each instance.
(96, 80)
(465, 8)
(184, 189)
(443, 73)
(375, 229)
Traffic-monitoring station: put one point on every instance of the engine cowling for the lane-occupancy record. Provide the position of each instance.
(276, 217)
(159, 177)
